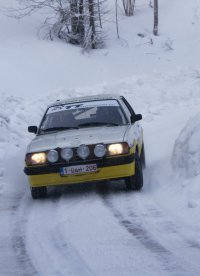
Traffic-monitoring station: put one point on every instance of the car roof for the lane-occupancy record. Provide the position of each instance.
(99, 97)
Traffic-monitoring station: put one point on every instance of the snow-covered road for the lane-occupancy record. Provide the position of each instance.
(100, 228)
(96, 230)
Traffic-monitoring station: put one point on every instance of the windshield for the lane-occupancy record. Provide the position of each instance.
(86, 114)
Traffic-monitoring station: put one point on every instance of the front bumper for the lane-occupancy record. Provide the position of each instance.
(112, 168)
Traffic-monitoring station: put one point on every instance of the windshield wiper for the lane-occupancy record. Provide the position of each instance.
(97, 124)
(57, 128)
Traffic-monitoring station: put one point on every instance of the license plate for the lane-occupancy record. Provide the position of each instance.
(78, 169)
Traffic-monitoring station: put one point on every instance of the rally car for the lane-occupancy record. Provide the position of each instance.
(86, 139)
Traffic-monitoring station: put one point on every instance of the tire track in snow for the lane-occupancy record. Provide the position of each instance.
(173, 232)
(133, 224)
(167, 220)
(19, 238)
(67, 251)
(14, 259)
(50, 251)
(92, 231)
(167, 225)
(1, 179)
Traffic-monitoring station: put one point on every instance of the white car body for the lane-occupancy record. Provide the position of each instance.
(128, 134)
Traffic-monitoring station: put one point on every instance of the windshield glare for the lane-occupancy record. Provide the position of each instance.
(83, 114)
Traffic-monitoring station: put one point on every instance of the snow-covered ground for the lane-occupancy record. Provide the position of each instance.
(101, 229)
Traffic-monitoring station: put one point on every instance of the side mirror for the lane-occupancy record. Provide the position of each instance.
(32, 129)
(135, 118)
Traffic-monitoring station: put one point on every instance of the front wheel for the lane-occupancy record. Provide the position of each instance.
(135, 182)
(38, 192)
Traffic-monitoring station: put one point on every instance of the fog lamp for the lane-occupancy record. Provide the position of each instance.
(67, 153)
(99, 150)
(83, 151)
(52, 156)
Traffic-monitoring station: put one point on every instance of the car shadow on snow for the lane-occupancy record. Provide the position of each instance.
(86, 189)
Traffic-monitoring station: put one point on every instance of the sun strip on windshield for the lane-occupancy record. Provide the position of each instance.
(64, 107)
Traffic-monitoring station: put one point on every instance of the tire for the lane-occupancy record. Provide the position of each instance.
(142, 157)
(38, 192)
(135, 182)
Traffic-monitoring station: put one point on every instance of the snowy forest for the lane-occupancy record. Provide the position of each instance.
(78, 22)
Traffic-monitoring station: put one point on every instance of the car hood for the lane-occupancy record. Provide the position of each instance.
(76, 137)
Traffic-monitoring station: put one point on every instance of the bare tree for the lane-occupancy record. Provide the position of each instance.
(129, 6)
(74, 21)
(93, 24)
(116, 18)
(155, 27)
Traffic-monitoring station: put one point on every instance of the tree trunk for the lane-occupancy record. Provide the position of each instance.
(92, 22)
(129, 6)
(155, 28)
(81, 29)
(74, 18)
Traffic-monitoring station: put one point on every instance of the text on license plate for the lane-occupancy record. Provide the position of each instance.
(78, 169)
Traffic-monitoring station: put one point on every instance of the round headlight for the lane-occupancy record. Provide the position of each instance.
(52, 156)
(99, 150)
(66, 153)
(83, 151)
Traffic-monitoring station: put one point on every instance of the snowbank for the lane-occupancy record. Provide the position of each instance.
(186, 152)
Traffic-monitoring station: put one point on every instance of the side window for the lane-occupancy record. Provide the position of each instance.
(130, 109)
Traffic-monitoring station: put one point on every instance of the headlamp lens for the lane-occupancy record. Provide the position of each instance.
(36, 158)
(118, 148)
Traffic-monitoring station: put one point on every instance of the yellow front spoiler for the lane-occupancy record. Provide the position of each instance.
(105, 173)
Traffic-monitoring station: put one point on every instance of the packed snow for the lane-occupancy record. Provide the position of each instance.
(186, 155)
(100, 229)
